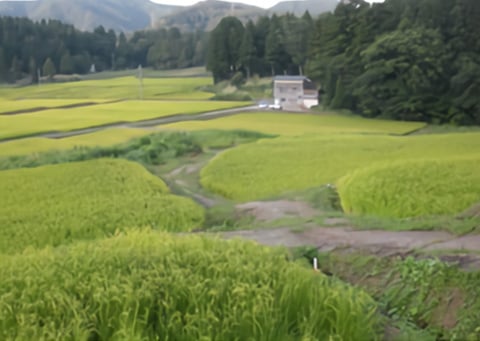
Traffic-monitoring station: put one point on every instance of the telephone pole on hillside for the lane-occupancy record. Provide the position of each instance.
(140, 82)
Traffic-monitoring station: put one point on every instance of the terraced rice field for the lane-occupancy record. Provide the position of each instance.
(299, 124)
(271, 167)
(412, 188)
(102, 138)
(150, 286)
(116, 88)
(12, 106)
(55, 205)
(85, 117)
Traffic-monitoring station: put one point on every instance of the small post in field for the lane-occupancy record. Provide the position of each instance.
(140, 80)
(315, 264)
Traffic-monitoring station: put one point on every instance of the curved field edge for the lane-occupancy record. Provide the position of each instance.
(146, 285)
(271, 167)
(292, 124)
(412, 188)
(58, 204)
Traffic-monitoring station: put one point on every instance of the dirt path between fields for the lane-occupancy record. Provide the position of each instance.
(337, 234)
(382, 243)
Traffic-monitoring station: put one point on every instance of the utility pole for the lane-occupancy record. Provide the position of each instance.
(38, 76)
(140, 82)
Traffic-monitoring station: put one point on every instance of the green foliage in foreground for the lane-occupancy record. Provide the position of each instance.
(149, 286)
(439, 299)
(272, 167)
(411, 189)
(53, 205)
(152, 149)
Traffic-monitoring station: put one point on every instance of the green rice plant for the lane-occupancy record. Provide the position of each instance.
(53, 205)
(295, 124)
(275, 166)
(155, 286)
(85, 117)
(412, 188)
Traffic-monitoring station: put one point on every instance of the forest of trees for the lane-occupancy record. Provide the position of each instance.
(400, 59)
(53, 47)
(272, 45)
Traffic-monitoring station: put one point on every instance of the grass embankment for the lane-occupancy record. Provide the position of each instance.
(115, 88)
(53, 205)
(86, 117)
(156, 286)
(271, 167)
(300, 124)
(425, 298)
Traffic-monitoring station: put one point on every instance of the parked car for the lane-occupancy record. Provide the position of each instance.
(275, 106)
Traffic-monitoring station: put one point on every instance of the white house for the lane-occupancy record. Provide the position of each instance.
(295, 92)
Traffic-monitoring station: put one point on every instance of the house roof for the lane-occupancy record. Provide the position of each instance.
(290, 78)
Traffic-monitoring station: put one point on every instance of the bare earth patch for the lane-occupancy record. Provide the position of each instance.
(274, 210)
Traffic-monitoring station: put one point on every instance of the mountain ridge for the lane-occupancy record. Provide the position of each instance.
(132, 15)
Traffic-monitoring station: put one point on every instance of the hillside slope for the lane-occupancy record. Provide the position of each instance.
(120, 15)
(207, 14)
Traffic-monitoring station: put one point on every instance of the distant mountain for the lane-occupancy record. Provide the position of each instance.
(315, 7)
(131, 15)
(205, 15)
(120, 15)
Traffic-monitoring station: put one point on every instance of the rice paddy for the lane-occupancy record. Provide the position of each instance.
(55, 205)
(297, 124)
(155, 286)
(272, 167)
(85, 117)
(115, 88)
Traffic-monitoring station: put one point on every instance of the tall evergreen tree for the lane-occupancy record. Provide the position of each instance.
(248, 51)
(224, 48)
(49, 69)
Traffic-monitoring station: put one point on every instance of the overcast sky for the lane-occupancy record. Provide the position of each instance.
(259, 3)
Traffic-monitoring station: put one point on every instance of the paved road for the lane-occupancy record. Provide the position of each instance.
(140, 124)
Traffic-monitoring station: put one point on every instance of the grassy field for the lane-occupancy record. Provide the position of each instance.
(53, 205)
(412, 188)
(271, 167)
(84, 117)
(149, 286)
(299, 124)
(115, 88)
